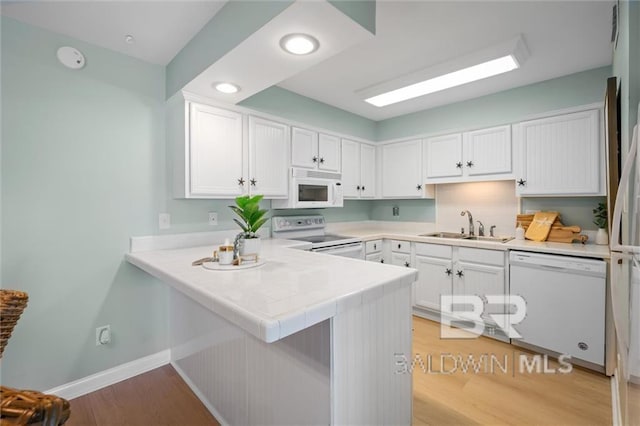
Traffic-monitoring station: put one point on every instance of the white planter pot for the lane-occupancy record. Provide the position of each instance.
(602, 238)
(250, 246)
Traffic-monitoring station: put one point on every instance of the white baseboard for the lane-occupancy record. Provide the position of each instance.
(113, 375)
(615, 400)
(199, 394)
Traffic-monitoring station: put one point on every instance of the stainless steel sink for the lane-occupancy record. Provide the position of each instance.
(494, 239)
(445, 235)
(465, 237)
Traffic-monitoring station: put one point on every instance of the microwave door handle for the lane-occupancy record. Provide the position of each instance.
(622, 189)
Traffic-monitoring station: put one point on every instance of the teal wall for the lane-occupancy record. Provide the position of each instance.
(410, 210)
(81, 162)
(236, 21)
(501, 108)
(284, 103)
(574, 210)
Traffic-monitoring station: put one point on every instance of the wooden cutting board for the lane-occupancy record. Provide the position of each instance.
(540, 226)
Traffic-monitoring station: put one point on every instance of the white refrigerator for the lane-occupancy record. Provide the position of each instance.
(625, 288)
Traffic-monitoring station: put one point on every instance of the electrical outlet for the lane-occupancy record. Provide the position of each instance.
(103, 335)
(213, 218)
(164, 221)
(396, 210)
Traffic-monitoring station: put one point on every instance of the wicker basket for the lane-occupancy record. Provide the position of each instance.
(25, 407)
(12, 303)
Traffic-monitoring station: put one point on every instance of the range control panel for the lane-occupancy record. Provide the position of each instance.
(296, 223)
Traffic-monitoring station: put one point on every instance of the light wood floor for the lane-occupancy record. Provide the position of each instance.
(497, 398)
(160, 397)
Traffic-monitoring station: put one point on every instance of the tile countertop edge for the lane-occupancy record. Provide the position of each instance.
(271, 330)
(377, 232)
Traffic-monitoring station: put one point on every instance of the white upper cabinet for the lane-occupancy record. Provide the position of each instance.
(478, 155)
(560, 155)
(268, 158)
(220, 153)
(358, 169)
(329, 153)
(315, 151)
(212, 162)
(402, 171)
(443, 156)
(487, 153)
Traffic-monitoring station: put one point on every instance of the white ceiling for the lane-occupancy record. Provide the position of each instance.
(160, 28)
(563, 37)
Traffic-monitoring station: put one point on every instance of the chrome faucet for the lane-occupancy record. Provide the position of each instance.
(491, 230)
(468, 213)
(480, 229)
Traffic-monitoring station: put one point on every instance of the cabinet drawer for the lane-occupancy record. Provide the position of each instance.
(375, 257)
(400, 246)
(373, 246)
(487, 257)
(434, 250)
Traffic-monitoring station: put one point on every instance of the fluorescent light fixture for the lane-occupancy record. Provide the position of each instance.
(299, 44)
(490, 62)
(227, 88)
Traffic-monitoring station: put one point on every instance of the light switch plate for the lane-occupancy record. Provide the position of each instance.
(164, 221)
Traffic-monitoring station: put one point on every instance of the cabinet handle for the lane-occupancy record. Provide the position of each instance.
(522, 182)
(363, 187)
(375, 247)
(418, 187)
(321, 160)
(406, 264)
(399, 246)
(460, 273)
(459, 165)
(448, 272)
(381, 260)
(358, 187)
(469, 163)
(253, 182)
(315, 159)
(241, 181)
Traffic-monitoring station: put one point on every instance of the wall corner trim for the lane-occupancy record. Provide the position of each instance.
(111, 376)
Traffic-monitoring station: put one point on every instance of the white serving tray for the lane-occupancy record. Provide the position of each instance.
(216, 266)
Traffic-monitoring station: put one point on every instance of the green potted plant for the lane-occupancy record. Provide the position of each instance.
(251, 218)
(600, 220)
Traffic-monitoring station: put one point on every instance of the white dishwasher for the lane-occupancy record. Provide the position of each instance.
(565, 299)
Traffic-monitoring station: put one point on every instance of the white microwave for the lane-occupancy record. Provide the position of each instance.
(312, 189)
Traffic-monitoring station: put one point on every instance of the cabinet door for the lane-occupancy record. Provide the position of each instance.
(375, 257)
(472, 279)
(304, 148)
(367, 171)
(434, 280)
(401, 259)
(269, 154)
(487, 152)
(559, 155)
(329, 153)
(350, 168)
(443, 156)
(217, 160)
(401, 170)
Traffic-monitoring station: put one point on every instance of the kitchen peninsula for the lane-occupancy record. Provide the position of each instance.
(306, 338)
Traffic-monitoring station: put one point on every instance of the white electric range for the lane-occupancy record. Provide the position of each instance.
(312, 229)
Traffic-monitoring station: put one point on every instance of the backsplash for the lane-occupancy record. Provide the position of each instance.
(573, 210)
(492, 203)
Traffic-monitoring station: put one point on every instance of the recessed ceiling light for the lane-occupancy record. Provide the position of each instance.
(299, 44)
(226, 87)
(129, 39)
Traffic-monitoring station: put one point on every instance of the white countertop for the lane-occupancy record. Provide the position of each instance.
(293, 290)
(374, 230)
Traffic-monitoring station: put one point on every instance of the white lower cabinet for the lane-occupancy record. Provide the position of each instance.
(460, 271)
(374, 251)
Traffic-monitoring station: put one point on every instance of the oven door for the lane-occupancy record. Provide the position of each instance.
(353, 250)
